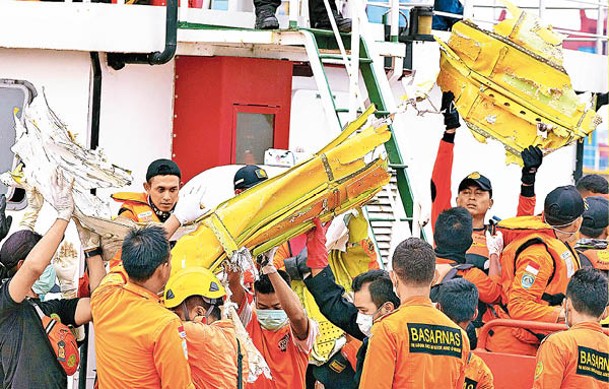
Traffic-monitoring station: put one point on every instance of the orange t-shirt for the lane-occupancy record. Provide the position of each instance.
(286, 355)
(138, 343)
(477, 374)
(576, 358)
(212, 354)
(415, 346)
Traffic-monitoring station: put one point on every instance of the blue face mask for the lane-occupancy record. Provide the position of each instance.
(46, 281)
(272, 319)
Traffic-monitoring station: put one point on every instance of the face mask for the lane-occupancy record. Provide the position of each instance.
(46, 281)
(364, 322)
(272, 319)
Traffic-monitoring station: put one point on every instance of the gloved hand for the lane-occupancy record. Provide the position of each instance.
(66, 266)
(494, 243)
(89, 240)
(266, 261)
(5, 221)
(61, 195)
(532, 157)
(189, 208)
(317, 257)
(296, 267)
(451, 116)
(35, 201)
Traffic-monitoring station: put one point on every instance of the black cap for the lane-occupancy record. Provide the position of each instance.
(478, 180)
(563, 206)
(248, 176)
(163, 167)
(596, 214)
(17, 247)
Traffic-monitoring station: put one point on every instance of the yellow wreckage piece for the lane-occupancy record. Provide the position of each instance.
(510, 85)
(331, 182)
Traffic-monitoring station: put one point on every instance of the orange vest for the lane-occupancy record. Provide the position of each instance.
(135, 207)
(598, 258)
(137, 204)
(565, 263)
(517, 227)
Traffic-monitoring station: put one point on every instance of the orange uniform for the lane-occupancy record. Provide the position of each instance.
(138, 343)
(535, 271)
(135, 207)
(415, 346)
(489, 288)
(213, 353)
(598, 258)
(286, 355)
(477, 374)
(576, 358)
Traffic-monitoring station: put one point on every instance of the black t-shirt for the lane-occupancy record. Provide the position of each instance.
(27, 359)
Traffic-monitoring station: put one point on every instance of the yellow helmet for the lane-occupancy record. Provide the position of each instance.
(192, 281)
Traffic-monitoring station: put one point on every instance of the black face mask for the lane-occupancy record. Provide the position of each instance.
(163, 216)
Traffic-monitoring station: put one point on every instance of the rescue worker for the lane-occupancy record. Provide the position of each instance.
(453, 236)
(459, 301)
(159, 202)
(373, 297)
(416, 345)
(215, 355)
(27, 359)
(279, 327)
(578, 357)
(593, 185)
(138, 342)
(592, 245)
(475, 192)
(535, 270)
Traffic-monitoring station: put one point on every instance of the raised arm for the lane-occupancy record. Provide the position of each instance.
(532, 157)
(40, 256)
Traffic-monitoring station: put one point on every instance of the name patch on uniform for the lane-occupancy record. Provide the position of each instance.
(592, 363)
(144, 216)
(470, 384)
(434, 339)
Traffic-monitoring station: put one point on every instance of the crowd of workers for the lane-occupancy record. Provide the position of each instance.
(413, 326)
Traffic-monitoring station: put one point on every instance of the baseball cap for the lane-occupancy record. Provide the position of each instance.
(562, 206)
(478, 180)
(596, 214)
(17, 247)
(163, 167)
(248, 176)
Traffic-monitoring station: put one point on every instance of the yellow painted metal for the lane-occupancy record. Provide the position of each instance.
(510, 85)
(329, 183)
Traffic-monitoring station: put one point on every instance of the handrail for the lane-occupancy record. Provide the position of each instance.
(524, 324)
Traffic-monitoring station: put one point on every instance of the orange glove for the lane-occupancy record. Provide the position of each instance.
(317, 257)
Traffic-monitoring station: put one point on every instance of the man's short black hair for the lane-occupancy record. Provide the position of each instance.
(194, 301)
(414, 262)
(379, 286)
(264, 286)
(588, 292)
(15, 248)
(453, 231)
(144, 250)
(458, 299)
(593, 183)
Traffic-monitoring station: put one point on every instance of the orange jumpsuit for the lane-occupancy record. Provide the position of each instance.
(415, 346)
(534, 284)
(576, 358)
(489, 288)
(477, 374)
(212, 354)
(287, 356)
(138, 343)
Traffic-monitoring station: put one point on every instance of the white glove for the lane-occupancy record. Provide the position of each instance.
(189, 207)
(35, 202)
(89, 240)
(66, 265)
(494, 243)
(61, 196)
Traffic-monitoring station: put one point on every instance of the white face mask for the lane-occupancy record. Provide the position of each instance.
(272, 319)
(364, 322)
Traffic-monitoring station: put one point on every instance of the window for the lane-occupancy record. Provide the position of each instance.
(253, 134)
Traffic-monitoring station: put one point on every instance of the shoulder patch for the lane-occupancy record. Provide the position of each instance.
(527, 281)
(538, 370)
(533, 268)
